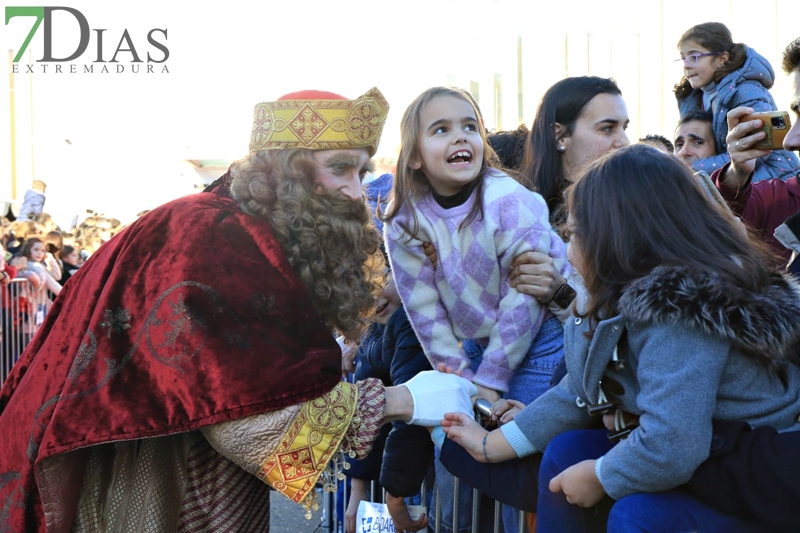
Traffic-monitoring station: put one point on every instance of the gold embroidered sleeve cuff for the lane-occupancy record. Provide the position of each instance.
(368, 419)
(312, 440)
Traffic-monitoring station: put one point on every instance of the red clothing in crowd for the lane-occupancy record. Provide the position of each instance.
(764, 206)
(11, 273)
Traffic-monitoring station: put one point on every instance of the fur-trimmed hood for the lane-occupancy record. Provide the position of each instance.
(763, 325)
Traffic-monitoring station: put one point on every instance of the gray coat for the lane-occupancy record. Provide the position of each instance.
(693, 348)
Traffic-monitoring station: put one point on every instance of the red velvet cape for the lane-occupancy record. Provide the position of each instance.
(189, 317)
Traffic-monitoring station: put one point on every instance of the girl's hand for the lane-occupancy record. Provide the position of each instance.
(534, 273)
(349, 355)
(504, 411)
(358, 492)
(487, 393)
(462, 429)
(610, 423)
(20, 262)
(740, 147)
(579, 484)
(401, 517)
(441, 367)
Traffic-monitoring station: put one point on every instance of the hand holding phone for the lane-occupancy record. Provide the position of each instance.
(776, 124)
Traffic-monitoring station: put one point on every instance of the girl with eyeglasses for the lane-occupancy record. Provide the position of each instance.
(720, 75)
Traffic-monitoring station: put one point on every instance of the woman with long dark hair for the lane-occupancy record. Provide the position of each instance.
(579, 120)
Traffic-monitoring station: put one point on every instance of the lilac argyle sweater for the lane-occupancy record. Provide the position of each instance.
(468, 295)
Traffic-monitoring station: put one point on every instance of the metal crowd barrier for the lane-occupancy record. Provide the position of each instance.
(21, 313)
(331, 524)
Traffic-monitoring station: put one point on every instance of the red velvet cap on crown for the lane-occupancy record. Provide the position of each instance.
(320, 120)
(312, 95)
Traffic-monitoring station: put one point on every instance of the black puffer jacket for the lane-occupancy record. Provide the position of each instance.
(394, 355)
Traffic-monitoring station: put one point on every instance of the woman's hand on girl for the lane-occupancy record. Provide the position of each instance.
(579, 484)
(430, 253)
(534, 273)
(741, 141)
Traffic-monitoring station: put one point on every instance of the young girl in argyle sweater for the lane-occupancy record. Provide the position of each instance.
(478, 219)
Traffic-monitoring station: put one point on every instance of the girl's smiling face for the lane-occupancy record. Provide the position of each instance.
(451, 146)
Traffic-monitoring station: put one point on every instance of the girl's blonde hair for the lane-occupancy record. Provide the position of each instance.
(410, 182)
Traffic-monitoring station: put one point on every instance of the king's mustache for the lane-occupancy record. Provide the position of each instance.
(344, 208)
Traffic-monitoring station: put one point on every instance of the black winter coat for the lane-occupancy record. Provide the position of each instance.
(393, 354)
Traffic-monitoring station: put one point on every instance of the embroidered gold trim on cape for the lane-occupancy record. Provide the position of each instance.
(320, 124)
(309, 444)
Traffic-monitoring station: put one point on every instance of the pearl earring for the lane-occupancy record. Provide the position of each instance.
(561, 147)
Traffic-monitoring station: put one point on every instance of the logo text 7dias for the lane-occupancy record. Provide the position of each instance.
(144, 53)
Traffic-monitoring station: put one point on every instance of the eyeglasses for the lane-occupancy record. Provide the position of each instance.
(693, 59)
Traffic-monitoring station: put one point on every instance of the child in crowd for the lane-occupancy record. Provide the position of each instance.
(33, 202)
(391, 352)
(34, 250)
(53, 243)
(32, 302)
(685, 323)
(509, 146)
(720, 75)
(478, 219)
(69, 259)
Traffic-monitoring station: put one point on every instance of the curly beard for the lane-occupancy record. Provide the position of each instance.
(329, 240)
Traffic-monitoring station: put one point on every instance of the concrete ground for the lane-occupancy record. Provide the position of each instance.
(289, 517)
